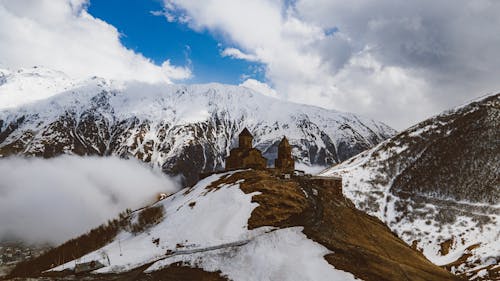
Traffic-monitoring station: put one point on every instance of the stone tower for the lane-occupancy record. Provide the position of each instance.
(285, 161)
(245, 139)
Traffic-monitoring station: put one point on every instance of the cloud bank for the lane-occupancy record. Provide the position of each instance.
(260, 87)
(53, 200)
(62, 35)
(396, 61)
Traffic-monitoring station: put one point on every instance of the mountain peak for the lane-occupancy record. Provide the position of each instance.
(181, 129)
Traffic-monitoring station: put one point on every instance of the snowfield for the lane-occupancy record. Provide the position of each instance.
(283, 254)
(207, 227)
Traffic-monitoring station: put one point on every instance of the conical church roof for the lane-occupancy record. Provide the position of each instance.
(284, 142)
(245, 132)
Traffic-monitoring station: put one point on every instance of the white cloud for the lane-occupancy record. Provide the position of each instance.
(52, 200)
(164, 13)
(237, 54)
(176, 73)
(260, 87)
(397, 61)
(61, 35)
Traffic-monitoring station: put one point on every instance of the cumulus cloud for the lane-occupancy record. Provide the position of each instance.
(397, 61)
(260, 87)
(237, 54)
(62, 35)
(52, 200)
(175, 73)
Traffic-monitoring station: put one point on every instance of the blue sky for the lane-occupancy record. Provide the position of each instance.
(159, 40)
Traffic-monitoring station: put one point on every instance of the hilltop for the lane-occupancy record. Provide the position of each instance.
(247, 225)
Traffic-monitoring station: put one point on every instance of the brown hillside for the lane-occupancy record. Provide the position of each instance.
(361, 244)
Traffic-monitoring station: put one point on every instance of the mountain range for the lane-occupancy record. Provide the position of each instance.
(181, 129)
(421, 204)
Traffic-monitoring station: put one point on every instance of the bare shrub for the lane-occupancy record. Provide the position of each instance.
(147, 218)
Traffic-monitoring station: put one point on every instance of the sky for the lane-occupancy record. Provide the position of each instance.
(394, 61)
(145, 30)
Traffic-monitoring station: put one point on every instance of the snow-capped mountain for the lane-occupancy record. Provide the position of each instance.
(437, 185)
(241, 225)
(182, 129)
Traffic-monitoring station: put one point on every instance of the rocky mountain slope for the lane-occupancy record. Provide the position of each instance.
(437, 185)
(180, 129)
(242, 225)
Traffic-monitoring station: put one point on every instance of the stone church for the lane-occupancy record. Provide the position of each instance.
(284, 162)
(245, 156)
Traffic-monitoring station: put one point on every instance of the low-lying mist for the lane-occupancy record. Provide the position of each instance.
(310, 169)
(53, 200)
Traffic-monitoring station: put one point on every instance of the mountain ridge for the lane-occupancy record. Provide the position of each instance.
(436, 185)
(181, 129)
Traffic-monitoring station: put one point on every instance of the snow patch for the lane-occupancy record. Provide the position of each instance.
(194, 218)
(284, 254)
